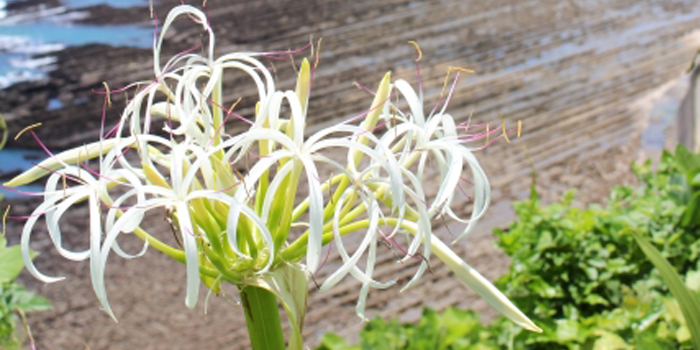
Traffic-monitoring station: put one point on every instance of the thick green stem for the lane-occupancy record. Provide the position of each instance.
(263, 319)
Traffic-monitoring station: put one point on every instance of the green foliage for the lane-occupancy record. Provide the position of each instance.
(587, 285)
(689, 165)
(13, 297)
(688, 303)
(453, 329)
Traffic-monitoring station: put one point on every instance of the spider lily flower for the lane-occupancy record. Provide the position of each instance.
(240, 223)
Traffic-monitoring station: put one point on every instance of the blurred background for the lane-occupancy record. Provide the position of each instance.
(597, 84)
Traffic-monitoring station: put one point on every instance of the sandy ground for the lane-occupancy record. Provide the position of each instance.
(573, 71)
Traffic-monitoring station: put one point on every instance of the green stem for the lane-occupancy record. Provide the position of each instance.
(263, 319)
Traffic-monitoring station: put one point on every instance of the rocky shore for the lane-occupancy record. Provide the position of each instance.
(577, 73)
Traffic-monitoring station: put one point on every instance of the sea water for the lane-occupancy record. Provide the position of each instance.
(28, 38)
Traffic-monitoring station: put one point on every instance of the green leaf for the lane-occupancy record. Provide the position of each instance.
(692, 280)
(650, 341)
(692, 212)
(609, 341)
(696, 180)
(22, 299)
(11, 263)
(595, 299)
(687, 162)
(567, 330)
(690, 305)
(331, 341)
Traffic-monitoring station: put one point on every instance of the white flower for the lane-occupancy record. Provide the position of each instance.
(237, 227)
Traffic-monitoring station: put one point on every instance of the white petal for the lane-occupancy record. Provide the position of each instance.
(190, 245)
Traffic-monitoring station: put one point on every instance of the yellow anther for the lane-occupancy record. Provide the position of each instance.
(447, 76)
(80, 153)
(4, 220)
(234, 106)
(109, 97)
(460, 69)
(318, 52)
(520, 127)
(291, 61)
(469, 121)
(420, 53)
(35, 125)
(503, 128)
(487, 133)
(63, 177)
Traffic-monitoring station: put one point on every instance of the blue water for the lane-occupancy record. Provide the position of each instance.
(121, 3)
(71, 35)
(51, 29)
(15, 160)
(19, 42)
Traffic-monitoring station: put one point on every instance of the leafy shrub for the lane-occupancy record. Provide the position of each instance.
(14, 299)
(584, 283)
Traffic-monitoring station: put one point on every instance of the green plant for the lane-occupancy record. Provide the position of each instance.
(453, 329)
(688, 184)
(588, 286)
(14, 299)
(689, 303)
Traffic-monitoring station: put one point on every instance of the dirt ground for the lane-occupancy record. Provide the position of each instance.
(578, 74)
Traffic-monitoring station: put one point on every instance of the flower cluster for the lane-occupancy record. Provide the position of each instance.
(237, 222)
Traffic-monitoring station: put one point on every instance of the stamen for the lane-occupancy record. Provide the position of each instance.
(447, 76)
(63, 178)
(418, 77)
(447, 227)
(469, 121)
(313, 279)
(318, 53)
(229, 112)
(294, 65)
(520, 127)
(234, 105)
(169, 219)
(325, 259)
(107, 94)
(418, 50)
(4, 221)
(503, 128)
(487, 133)
(35, 125)
(275, 55)
(241, 179)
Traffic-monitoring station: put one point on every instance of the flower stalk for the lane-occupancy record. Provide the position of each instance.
(262, 318)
